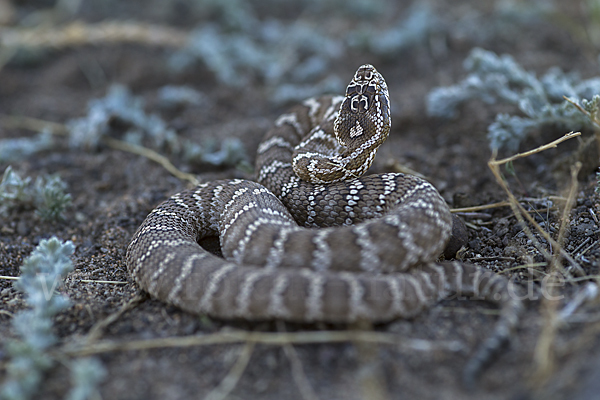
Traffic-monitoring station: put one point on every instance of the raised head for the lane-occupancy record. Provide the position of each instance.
(365, 111)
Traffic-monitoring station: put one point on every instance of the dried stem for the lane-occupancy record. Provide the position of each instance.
(544, 354)
(38, 125)
(278, 338)
(521, 214)
(228, 383)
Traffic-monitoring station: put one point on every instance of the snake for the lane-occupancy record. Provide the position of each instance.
(312, 239)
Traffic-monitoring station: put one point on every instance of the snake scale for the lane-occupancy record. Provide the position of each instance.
(373, 258)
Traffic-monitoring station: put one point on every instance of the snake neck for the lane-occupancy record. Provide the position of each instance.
(344, 144)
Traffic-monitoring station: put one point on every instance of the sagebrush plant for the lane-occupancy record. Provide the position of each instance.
(16, 149)
(148, 129)
(29, 355)
(47, 195)
(499, 79)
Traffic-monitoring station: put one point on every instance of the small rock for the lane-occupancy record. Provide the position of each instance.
(510, 251)
(458, 238)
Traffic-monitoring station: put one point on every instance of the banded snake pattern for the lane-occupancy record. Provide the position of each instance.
(373, 257)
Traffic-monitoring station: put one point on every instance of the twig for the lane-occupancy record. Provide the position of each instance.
(32, 124)
(39, 125)
(306, 390)
(235, 373)
(478, 215)
(10, 278)
(264, 338)
(525, 266)
(370, 375)
(520, 212)
(544, 354)
(482, 207)
(152, 155)
(100, 281)
(395, 166)
(78, 33)
(495, 258)
(496, 205)
(593, 214)
(298, 374)
(588, 292)
(539, 149)
(591, 117)
(100, 326)
(586, 249)
(581, 246)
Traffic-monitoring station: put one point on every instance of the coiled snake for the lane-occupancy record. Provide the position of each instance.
(373, 259)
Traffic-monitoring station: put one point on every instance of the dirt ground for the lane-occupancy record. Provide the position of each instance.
(113, 191)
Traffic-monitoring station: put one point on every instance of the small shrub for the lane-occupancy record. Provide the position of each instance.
(42, 272)
(499, 79)
(47, 195)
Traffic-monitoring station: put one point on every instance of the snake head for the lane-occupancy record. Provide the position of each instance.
(365, 111)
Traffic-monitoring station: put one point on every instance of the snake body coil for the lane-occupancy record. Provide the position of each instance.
(373, 258)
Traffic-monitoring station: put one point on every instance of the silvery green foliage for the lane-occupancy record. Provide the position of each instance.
(148, 129)
(120, 105)
(238, 47)
(506, 21)
(173, 96)
(19, 148)
(591, 106)
(231, 152)
(41, 273)
(272, 51)
(419, 23)
(86, 374)
(50, 198)
(499, 79)
(13, 190)
(47, 195)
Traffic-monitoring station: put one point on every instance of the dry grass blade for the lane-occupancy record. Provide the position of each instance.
(99, 327)
(78, 33)
(521, 214)
(278, 338)
(298, 374)
(101, 281)
(32, 124)
(306, 390)
(544, 354)
(482, 207)
(38, 125)
(151, 155)
(228, 383)
(539, 149)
